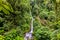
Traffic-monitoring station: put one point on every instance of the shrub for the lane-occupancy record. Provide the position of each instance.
(1, 37)
(55, 35)
(43, 34)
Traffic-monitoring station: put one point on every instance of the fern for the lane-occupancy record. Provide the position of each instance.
(5, 7)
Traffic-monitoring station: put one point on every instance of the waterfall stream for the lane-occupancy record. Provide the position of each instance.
(28, 35)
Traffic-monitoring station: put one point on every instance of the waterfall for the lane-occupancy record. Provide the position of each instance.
(28, 35)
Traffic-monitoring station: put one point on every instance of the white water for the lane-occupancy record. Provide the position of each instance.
(28, 35)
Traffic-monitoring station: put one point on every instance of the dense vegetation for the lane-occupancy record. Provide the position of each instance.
(15, 19)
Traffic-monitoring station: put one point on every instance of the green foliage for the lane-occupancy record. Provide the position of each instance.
(5, 7)
(1, 31)
(55, 35)
(19, 38)
(43, 34)
(17, 23)
(55, 25)
(13, 35)
(1, 37)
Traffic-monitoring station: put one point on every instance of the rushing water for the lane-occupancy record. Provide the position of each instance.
(28, 35)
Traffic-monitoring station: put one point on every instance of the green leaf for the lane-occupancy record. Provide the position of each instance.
(7, 7)
(57, 1)
(6, 11)
(1, 8)
(1, 37)
(0, 1)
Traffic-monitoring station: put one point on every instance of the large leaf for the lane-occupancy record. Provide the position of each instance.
(0, 1)
(57, 1)
(1, 8)
(9, 5)
(5, 7)
(6, 11)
